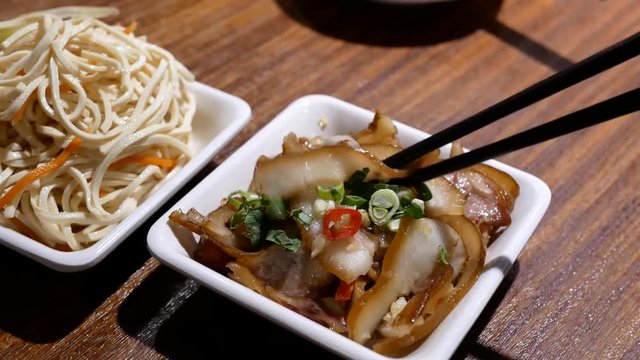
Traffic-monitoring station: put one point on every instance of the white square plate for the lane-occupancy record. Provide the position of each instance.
(219, 117)
(302, 117)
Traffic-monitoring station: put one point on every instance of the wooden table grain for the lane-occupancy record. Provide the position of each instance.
(574, 292)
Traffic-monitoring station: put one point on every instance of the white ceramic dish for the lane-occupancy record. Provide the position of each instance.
(219, 116)
(302, 118)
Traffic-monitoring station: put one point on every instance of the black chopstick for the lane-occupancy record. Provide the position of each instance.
(597, 63)
(606, 110)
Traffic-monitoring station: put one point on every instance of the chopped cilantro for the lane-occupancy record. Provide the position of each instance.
(274, 207)
(414, 210)
(423, 192)
(357, 177)
(253, 223)
(281, 238)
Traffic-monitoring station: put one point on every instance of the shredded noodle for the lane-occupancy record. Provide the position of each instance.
(92, 119)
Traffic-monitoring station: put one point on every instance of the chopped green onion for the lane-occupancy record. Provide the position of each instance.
(353, 200)
(366, 221)
(383, 205)
(237, 218)
(281, 238)
(443, 255)
(335, 193)
(301, 217)
(320, 206)
(384, 198)
(379, 213)
(400, 213)
(239, 198)
(323, 193)
(394, 225)
(254, 200)
(234, 201)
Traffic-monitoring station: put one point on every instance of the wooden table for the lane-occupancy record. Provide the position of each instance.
(574, 292)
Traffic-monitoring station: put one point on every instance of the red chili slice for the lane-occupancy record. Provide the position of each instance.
(344, 291)
(341, 223)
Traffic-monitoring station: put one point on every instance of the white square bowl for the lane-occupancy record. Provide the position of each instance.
(302, 117)
(219, 117)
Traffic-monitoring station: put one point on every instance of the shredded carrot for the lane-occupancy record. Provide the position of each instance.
(20, 113)
(25, 230)
(145, 160)
(62, 247)
(65, 88)
(38, 172)
(92, 62)
(131, 28)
